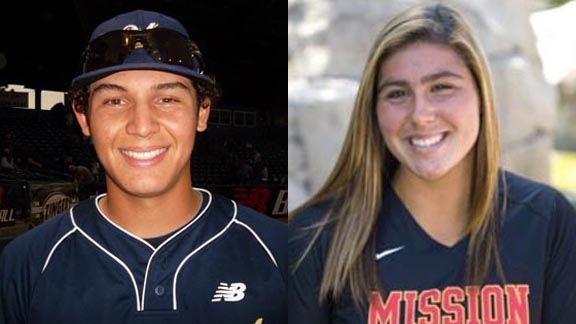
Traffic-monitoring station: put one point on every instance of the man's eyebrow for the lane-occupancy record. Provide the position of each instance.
(107, 86)
(161, 86)
(171, 85)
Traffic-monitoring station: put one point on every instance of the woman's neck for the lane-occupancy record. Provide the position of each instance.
(440, 206)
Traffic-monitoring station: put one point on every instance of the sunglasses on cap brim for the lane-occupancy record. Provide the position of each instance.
(163, 45)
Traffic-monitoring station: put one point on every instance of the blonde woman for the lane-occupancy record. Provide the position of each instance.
(417, 222)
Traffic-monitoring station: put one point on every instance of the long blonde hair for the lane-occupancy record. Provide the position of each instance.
(365, 166)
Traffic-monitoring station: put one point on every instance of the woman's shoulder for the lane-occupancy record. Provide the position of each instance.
(537, 197)
(310, 224)
(309, 215)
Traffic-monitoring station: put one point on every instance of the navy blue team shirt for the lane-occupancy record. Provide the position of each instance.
(228, 265)
(422, 280)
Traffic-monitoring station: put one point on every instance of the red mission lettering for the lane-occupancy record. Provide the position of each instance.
(490, 304)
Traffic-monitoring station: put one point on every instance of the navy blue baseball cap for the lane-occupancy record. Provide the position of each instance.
(141, 40)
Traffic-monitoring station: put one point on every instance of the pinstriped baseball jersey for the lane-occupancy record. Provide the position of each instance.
(227, 265)
(423, 279)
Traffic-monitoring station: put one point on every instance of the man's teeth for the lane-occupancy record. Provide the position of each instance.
(144, 155)
(426, 142)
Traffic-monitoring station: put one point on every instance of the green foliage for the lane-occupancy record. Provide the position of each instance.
(556, 3)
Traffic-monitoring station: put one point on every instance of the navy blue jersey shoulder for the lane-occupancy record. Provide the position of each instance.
(538, 198)
(33, 244)
(302, 226)
(270, 230)
(423, 280)
(539, 248)
(227, 265)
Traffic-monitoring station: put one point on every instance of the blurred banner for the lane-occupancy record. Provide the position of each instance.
(13, 202)
(269, 200)
(50, 199)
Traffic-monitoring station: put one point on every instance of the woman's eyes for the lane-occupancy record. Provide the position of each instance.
(442, 87)
(396, 94)
(399, 94)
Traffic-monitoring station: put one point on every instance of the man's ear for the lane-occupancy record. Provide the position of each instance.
(203, 114)
(81, 117)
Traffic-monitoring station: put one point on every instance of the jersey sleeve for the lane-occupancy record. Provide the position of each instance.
(560, 286)
(305, 276)
(13, 297)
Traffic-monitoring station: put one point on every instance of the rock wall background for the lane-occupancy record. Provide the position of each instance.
(328, 42)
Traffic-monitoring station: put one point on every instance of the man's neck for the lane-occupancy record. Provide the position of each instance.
(151, 216)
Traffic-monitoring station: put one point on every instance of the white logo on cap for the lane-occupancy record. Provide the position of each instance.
(130, 27)
(151, 25)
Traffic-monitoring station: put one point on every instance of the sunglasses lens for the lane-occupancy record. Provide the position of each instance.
(163, 45)
(170, 47)
(105, 51)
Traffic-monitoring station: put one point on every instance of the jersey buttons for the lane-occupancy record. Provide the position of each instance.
(159, 290)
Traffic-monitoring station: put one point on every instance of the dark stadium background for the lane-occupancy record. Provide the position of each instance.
(243, 43)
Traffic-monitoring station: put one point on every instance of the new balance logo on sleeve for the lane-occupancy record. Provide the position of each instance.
(230, 293)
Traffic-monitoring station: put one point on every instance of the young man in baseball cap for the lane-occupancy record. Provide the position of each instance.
(153, 249)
